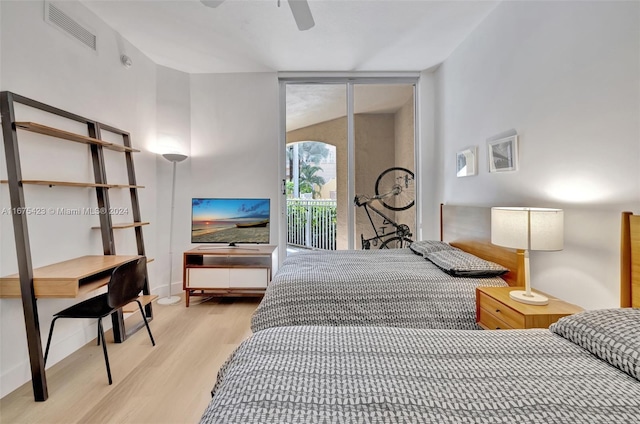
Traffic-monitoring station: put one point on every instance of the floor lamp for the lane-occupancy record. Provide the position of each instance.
(175, 158)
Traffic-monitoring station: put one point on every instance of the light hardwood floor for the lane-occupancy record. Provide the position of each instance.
(168, 383)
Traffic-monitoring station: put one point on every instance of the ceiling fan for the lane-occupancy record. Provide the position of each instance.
(299, 9)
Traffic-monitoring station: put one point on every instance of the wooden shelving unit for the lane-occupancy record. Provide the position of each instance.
(77, 276)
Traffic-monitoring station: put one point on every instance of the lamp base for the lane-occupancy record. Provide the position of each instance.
(533, 299)
(171, 300)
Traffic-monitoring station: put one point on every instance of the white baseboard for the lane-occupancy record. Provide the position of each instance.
(61, 347)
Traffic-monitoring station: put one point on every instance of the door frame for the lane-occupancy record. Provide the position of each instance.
(350, 80)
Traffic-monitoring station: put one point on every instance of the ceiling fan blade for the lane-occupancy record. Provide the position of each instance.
(212, 3)
(302, 14)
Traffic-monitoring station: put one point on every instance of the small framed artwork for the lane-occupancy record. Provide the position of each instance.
(503, 154)
(466, 162)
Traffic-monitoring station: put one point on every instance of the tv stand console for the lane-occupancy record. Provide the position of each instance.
(228, 271)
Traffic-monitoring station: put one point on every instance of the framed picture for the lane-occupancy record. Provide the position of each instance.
(466, 162)
(503, 154)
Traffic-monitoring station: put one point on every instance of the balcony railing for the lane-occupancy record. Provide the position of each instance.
(311, 223)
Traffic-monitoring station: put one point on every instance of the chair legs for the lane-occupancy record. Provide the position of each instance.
(101, 339)
(146, 323)
(46, 352)
(104, 348)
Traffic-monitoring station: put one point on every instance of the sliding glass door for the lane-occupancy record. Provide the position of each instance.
(316, 170)
(384, 164)
(338, 138)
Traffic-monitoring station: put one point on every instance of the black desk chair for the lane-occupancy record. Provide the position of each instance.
(126, 283)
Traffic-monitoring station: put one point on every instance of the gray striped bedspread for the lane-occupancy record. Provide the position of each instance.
(394, 375)
(394, 288)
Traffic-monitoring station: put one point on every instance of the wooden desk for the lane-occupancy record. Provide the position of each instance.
(67, 279)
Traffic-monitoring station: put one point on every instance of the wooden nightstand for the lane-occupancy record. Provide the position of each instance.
(495, 310)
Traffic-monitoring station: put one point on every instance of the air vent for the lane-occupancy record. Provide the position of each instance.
(56, 17)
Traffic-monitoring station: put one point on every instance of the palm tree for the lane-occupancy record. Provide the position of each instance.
(309, 182)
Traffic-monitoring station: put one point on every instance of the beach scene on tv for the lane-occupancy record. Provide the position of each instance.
(230, 221)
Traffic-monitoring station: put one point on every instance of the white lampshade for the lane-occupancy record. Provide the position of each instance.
(174, 157)
(527, 228)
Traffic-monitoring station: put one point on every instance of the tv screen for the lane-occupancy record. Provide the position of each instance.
(230, 221)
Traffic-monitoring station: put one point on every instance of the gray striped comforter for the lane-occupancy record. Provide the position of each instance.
(395, 375)
(391, 288)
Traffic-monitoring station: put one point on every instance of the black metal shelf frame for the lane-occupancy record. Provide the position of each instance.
(21, 233)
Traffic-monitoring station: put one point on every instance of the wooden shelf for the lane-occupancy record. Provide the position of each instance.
(129, 225)
(133, 306)
(54, 132)
(66, 135)
(86, 288)
(59, 183)
(73, 184)
(124, 186)
(67, 278)
(121, 148)
(124, 225)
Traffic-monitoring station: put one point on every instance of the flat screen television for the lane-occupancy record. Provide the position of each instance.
(230, 221)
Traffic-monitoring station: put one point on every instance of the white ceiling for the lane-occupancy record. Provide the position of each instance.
(259, 36)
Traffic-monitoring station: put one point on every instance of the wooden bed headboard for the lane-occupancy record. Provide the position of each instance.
(630, 261)
(469, 228)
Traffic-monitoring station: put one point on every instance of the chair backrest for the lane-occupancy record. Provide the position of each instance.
(126, 283)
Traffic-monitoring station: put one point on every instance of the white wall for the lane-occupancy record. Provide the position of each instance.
(234, 140)
(41, 62)
(174, 135)
(566, 77)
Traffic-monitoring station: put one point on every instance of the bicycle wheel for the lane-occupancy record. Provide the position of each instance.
(396, 243)
(397, 187)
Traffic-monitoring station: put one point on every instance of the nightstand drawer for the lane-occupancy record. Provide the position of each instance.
(496, 309)
(501, 312)
(491, 322)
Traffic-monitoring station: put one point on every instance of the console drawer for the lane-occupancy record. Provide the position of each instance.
(249, 277)
(208, 277)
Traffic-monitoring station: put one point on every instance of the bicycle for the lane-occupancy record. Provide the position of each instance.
(395, 189)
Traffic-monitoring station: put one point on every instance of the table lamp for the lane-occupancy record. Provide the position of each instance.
(527, 229)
